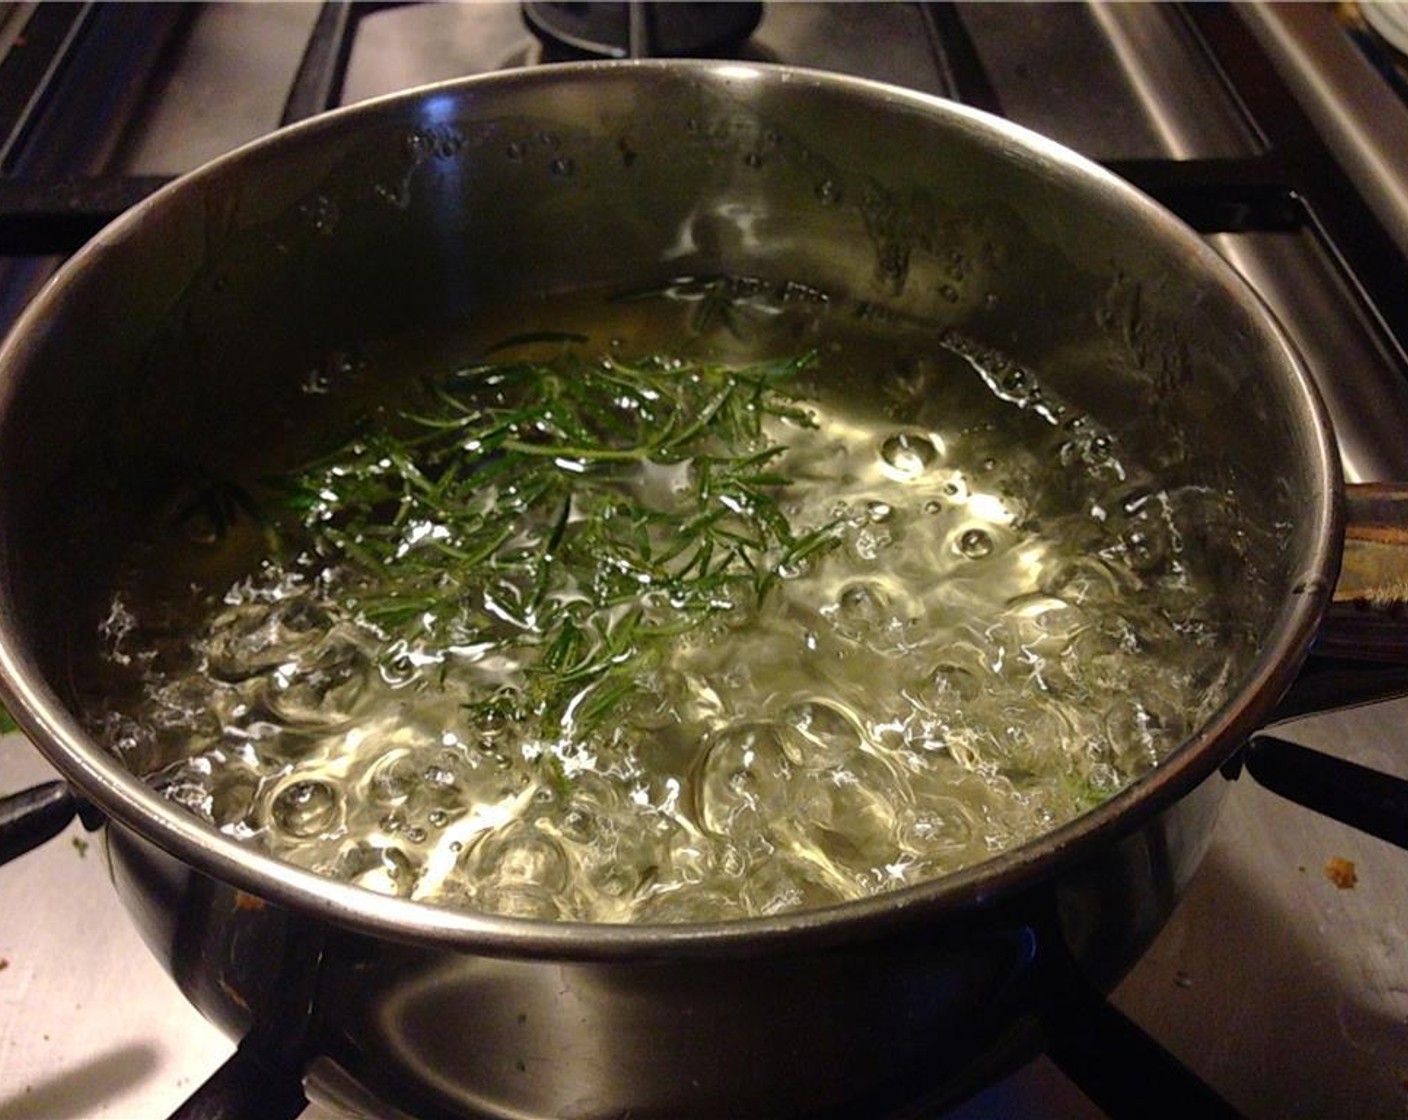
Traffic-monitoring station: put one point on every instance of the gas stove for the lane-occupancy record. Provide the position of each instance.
(1277, 132)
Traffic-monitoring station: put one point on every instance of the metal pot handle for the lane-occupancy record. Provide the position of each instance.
(1368, 613)
(1366, 623)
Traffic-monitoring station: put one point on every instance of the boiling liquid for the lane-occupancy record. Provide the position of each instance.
(1005, 629)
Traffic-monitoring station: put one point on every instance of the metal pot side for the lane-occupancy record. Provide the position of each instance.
(180, 335)
(894, 1019)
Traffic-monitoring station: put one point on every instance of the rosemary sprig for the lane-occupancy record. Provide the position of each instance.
(580, 514)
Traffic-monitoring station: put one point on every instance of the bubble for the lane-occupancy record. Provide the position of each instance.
(828, 193)
(1103, 778)
(878, 512)
(1143, 550)
(306, 808)
(743, 776)
(909, 454)
(792, 569)
(1080, 580)
(386, 870)
(578, 819)
(1059, 620)
(820, 734)
(494, 717)
(439, 776)
(868, 544)
(627, 853)
(952, 685)
(969, 748)
(520, 854)
(251, 638)
(231, 800)
(1148, 548)
(780, 885)
(863, 601)
(392, 779)
(844, 813)
(613, 879)
(322, 687)
(1138, 734)
(976, 544)
(191, 791)
(941, 826)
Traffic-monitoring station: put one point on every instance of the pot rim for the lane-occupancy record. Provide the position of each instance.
(124, 798)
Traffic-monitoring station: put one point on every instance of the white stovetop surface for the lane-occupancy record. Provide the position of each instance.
(90, 1024)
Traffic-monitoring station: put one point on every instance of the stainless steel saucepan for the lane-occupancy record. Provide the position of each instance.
(179, 337)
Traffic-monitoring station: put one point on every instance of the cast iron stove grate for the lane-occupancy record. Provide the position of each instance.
(644, 29)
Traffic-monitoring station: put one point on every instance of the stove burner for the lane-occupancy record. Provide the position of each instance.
(640, 29)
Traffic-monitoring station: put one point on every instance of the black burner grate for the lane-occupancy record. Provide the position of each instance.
(683, 29)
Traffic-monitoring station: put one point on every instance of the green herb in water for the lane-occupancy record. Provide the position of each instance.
(575, 514)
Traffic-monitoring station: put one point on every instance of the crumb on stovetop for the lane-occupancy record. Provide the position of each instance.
(1341, 872)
